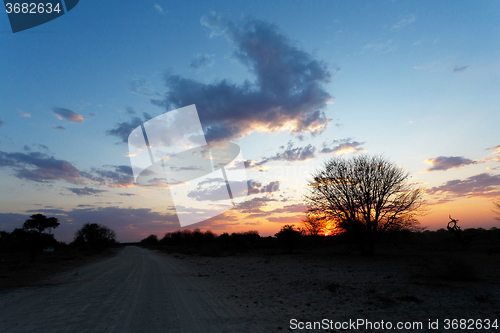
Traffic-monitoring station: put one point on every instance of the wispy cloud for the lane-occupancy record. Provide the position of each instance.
(158, 8)
(113, 176)
(404, 22)
(123, 130)
(58, 127)
(481, 185)
(460, 69)
(497, 151)
(291, 154)
(254, 205)
(386, 46)
(294, 154)
(346, 146)
(202, 61)
(288, 92)
(85, 191)
(141, 86)
(69, 115)
(2, 123)
(40, 167)
(443, 163)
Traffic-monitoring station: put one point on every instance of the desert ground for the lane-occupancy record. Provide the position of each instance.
(394, 286)
(141, 290)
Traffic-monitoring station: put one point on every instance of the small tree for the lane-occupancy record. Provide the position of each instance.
(365, 196)
(38, 223)
(95, 236)
(289, 236)
(316, 224)
(33, 233)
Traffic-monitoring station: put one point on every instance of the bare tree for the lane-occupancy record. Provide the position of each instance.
(497, 208)
(315, 225)
(365, 196)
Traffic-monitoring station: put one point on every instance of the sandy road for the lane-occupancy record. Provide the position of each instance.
(136, 291)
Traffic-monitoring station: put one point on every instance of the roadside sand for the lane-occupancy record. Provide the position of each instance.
(16, 270)
(272, 289)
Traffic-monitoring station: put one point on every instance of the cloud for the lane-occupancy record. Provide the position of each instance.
(40, 167)
(287, 219)
(271, 187)
(25, 115)
(85, 191)
(202, 61)
(141, 86)
(287, 93)
(69, 115)
(213, 190)
(404, 22)
(381, 46)
(481, 185)
(119, 176)
(460, 69)
(253, 206)
(496, 151)
(291, 154)
(58, 127)
(123, 130)
(158, 8)
(2, 123)
(443, 163)
(345, 147)
(26, 148)
(293, 208)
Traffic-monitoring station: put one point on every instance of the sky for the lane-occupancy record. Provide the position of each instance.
(292, 83)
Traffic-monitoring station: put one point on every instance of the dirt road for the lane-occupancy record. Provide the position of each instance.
(136, 291)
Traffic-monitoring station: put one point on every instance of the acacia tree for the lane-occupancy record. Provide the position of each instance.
(364, 196)
(38, 223)
(33, 232)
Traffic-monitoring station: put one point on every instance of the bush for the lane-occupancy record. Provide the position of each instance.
(151, 240)
(289, 237)
(94, 236)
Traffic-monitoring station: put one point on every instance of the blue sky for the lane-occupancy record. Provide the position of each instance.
(415, 81)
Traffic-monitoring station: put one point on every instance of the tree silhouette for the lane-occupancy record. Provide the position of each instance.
(497, 208)
(289, 236)
(364, 196)
(33, 233)
(95, 236)
(316, 224)
(38, 223)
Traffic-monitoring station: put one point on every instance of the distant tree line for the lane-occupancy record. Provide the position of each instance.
(35, 235)
(293, 239)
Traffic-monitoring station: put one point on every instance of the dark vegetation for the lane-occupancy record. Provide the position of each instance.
(295, 240)
(30, 253)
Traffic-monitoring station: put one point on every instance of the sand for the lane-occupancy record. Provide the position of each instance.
(273, 288)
